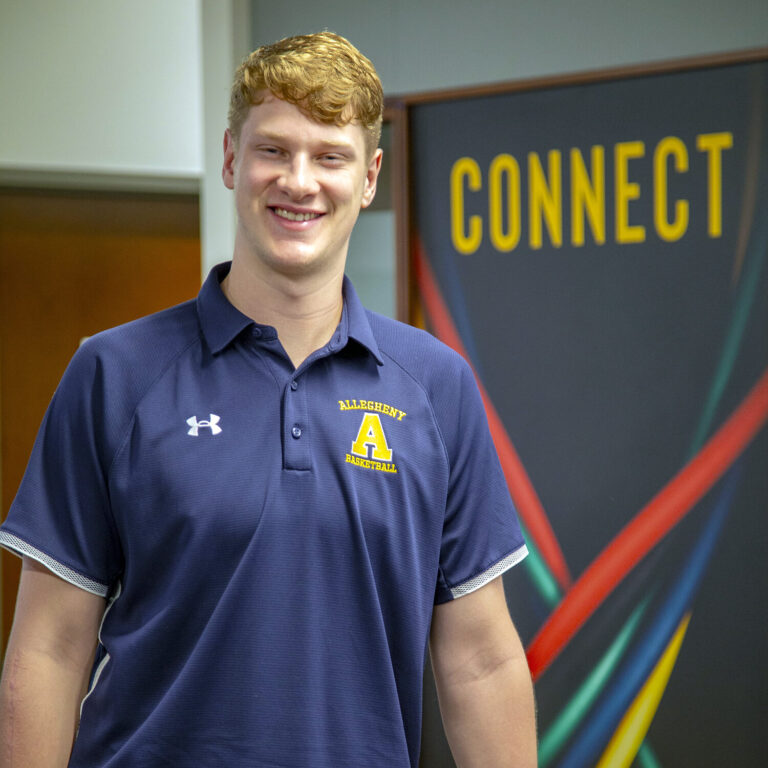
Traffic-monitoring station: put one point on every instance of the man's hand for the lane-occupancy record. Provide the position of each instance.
(483, 682)
(46, 669)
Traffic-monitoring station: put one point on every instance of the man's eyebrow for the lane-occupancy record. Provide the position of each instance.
(270, 135)
(347, 145)
(278, 137)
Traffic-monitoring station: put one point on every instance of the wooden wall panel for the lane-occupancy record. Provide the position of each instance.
(73, 264)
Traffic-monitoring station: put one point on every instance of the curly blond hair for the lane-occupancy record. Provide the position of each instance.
(322, 73)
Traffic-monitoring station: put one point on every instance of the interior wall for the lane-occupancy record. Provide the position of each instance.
(225, 42)
(106, 87)
(436, 44)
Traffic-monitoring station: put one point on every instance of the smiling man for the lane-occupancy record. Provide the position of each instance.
(245, 517)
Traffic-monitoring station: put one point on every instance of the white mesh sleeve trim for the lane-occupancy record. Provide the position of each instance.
(107, 658)
(20, 547)
(495, 570)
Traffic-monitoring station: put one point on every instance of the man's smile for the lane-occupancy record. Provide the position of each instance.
(284, 213)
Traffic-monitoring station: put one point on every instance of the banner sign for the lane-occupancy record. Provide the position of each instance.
(597, 250)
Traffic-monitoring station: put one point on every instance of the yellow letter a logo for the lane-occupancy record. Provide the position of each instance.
(371, 433)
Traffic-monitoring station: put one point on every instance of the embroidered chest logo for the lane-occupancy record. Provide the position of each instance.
(370, 448)
(212, 423)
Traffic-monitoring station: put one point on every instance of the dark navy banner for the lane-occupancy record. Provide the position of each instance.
(598, 252)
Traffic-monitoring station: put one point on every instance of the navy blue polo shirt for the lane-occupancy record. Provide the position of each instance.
(272, 541)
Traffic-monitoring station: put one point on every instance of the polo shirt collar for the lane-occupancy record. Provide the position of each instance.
(356, 320)
(221, 322)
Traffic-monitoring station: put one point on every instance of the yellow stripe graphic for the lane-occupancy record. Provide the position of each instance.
(628, 737)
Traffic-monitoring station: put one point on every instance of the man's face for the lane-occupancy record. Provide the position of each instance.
(299, 186)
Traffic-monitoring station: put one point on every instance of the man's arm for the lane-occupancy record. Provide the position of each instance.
(483, 681)
(49, 658)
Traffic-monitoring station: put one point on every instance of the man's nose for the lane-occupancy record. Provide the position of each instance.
(298, 178)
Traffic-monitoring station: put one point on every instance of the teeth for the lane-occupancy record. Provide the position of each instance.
(291, 216)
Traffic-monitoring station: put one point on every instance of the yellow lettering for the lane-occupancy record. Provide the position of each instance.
(371, 435)
(504, 165)
(714, 144)
(588, 198)
(626, 191)
(465, 168)
(545, 200)
(371, 405)
(669, 230)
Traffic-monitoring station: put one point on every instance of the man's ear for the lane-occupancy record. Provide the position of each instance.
(228, 169)
(371, 176)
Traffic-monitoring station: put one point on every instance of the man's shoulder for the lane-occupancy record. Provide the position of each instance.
(124, 359)
(417, 351)
(443, 375)
(149, 339)
(113, 370)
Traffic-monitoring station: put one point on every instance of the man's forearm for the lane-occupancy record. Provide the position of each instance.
(39, 710)
(489, 718)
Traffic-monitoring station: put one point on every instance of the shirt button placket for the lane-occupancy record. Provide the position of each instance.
(296, 453)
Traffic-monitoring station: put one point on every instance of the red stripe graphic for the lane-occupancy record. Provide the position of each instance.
(520, 487)
(649, 526)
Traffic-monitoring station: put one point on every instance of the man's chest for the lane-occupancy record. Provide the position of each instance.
(229, 456)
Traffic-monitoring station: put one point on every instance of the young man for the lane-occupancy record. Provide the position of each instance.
(263, 502)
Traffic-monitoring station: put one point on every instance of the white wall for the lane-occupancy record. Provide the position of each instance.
(225, 42)
(105, 86)
(421, 45)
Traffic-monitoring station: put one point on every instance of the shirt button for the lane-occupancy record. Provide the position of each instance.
(256, 332)
(294, 385)
(296, 432)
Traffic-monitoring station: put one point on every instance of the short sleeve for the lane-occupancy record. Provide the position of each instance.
(61, 514)
(481, 533)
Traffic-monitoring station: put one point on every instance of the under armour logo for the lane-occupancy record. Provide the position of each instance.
(212, 424)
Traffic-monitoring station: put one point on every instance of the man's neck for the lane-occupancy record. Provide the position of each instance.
(305, 312)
